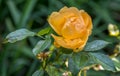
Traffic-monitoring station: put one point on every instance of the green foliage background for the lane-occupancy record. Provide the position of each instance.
(18, 60)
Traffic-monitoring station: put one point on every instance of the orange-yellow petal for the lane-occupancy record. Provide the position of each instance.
(87, 20)
(69, 12)
(56, 20)
(70, 44)
(73, 28)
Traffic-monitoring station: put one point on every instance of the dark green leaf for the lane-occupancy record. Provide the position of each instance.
(104, 60)
(18, 35)
(43, 31)
(73, 67)
(53, 71)
(41, 46)
(78, 61)
(95, 45)
(38, 73)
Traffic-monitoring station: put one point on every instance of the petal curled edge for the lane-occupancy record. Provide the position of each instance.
(70, 44)
(56, 21)
(87, 20)
(70, 12)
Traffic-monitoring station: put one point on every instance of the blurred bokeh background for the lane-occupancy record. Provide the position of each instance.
(17, 59)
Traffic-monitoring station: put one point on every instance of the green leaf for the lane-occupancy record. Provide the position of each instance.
(41, 46)
(78, 61)
(43, 31)
(18, 35)
(95, 45)
(104, 60)
(53, 71)
(116, 63)
(38, 73)
(73, 67)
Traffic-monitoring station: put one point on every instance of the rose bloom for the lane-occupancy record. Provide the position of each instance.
(73, 27)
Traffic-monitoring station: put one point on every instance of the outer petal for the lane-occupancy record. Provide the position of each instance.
(87, 20)
(63, 9)
(84, 38)
(56, 21)
(70, 44)
(70, 12)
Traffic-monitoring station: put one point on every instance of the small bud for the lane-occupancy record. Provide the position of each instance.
(117, 49)
(113, 30)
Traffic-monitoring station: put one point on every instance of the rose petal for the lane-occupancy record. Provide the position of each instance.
(73, 28)
(56, 21)
(87, 20)
(70, 44)
(69, 12)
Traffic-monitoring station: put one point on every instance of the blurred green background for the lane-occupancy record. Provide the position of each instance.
(17, 59)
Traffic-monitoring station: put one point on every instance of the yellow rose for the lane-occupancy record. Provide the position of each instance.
(73, 27)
